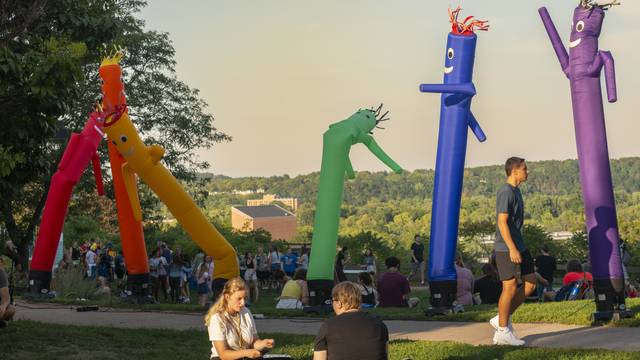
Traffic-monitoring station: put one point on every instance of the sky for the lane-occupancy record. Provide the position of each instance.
(276, 73)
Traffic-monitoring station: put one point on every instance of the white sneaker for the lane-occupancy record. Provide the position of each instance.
(506, 337)
(495, 322)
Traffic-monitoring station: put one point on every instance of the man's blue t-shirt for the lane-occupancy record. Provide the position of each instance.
(509, 201)
(289, 262)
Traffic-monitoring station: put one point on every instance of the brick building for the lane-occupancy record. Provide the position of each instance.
(280, 223)
(268, 199)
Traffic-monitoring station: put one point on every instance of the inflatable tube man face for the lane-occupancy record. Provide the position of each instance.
(585, 30)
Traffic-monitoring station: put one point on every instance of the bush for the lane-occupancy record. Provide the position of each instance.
(71, 284)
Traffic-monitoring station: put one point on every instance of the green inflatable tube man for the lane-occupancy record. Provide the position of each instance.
(337, 142)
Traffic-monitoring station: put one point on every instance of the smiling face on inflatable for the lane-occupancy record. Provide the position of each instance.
(459, 58)
(124, 136)
(585, 30)
(461, 47)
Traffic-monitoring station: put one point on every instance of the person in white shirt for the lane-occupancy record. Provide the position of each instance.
(91, 258)
(303, 260)
(231, 328)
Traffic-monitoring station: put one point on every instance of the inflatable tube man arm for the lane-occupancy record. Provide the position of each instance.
(556, 42)
(605, 59)
(373, 146)
(460, 92)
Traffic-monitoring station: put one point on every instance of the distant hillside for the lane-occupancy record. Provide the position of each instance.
(546, 177)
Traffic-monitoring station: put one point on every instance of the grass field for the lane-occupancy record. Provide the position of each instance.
(34, 341)
(569, 312)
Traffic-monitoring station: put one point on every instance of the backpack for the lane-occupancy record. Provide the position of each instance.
(575, 290)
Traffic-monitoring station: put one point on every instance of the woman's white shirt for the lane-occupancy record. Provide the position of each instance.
(220, 331)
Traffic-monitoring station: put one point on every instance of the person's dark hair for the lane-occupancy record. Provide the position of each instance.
(489, 270)
(344, 248)
(512, 163)
(365, 278)
(545, 248)
(278, 274)
(416, 236)
(300, 274)
(574, 266)
(368, 252)
(392, 261)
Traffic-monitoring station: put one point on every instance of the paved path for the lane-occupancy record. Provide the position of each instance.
(539, 335)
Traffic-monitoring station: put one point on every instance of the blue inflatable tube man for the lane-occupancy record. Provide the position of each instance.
(455, 120)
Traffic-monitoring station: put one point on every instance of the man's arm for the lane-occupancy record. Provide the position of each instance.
(514, 254)
(320, 345)
(320, 355)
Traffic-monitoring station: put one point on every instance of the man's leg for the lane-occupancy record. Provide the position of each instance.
(414, 267)
(528, 275)
(506, 301)
(527, 289)
(422, 271)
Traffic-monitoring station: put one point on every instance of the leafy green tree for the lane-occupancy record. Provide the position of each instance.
(43, 48)
(49, 57)
(473, 243)
(82, 229)
(576, 247)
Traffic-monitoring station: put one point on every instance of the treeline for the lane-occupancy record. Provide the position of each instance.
(546, 177)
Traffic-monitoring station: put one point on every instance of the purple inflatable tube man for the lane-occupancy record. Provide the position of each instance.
(583, 66)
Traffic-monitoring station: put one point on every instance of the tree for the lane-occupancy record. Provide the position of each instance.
(49, 56)
(535, 236)
(472, 242)
(576, 247)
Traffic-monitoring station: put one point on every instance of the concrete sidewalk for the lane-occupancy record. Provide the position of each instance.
(538, 335)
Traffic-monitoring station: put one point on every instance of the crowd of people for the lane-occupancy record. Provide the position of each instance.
(171, 272)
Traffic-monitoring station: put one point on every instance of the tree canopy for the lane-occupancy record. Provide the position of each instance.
(49, 56)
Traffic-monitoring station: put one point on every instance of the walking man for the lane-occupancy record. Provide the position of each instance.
(513, 260)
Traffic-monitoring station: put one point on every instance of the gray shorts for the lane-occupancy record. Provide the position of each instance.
(508, 269)
(415, 266)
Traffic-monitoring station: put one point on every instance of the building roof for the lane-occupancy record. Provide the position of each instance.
(263, 211)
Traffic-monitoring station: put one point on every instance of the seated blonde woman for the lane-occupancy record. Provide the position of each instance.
(232, 331)
(295, 293)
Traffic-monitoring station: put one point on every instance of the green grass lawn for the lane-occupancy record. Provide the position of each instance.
(33, 341)
(568, 312)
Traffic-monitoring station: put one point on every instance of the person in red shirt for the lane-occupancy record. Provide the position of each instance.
(575, 273)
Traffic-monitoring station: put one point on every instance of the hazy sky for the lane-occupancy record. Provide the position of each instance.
(276, 73)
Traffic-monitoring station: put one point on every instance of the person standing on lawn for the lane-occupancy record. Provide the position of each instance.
(513, 260)
(417, 259)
